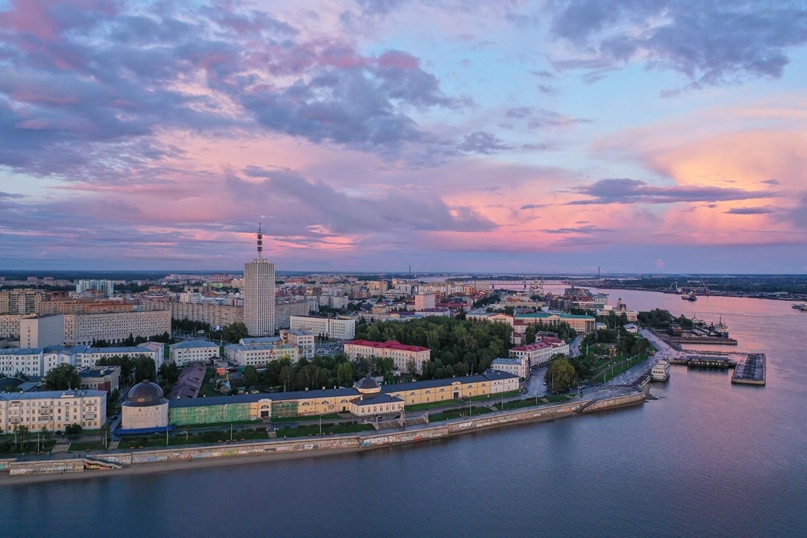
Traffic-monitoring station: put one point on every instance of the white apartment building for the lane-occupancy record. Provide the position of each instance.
(25, 360)
(340, 328)
(105, 286)
(304, 340)
(518, 367)
(210, 313)
(40, 361)
(261, 354)
(42, 331)
(54, 410)
(259, 297)
(114, 326)
(88, 357)
(401, 354)
(193, 351)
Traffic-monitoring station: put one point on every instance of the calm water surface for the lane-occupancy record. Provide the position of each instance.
(706, 459)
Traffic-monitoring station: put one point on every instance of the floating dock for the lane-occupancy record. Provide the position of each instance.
(710, 340)
(751, 370)
(704, 361)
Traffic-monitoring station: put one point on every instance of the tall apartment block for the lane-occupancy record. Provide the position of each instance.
(259, 294)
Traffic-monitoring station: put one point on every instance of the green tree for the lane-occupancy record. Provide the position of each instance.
(345, 374)
(63, 377)
(560, 375)
(21, 434)
(144, 368)
(251, 377)
(73, 429)
(287, 377)
(234, 332)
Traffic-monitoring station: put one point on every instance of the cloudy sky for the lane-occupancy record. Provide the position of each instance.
(509, 136)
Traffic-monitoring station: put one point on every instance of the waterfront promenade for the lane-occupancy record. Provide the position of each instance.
(173, 458)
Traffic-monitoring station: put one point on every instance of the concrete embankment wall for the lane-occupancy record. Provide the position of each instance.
(324, 444)
(613, 403)
(46, 467)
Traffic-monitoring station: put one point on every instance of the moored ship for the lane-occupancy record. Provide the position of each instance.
(802, 307)
(660, 371)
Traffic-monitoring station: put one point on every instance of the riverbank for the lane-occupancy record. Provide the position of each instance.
(176, 459)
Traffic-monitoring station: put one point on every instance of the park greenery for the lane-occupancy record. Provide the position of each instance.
(662, 319)
(134, 369)
(458, 347)
(62, 377)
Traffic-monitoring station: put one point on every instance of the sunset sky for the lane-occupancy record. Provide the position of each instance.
(533, 137)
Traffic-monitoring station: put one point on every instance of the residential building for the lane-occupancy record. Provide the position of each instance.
(259, 294)
(518, 367)
(106, 378)
(10, 326)
(341, 328)
(304, 340)
(211, 313)
(54, 410)
(405, 357)
(106, 287)
(114, 326)
(21, 301)
(424, 301)
(41, 331)
(261, 354)
(188, 351)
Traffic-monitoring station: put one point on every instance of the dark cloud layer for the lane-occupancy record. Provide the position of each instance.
(317, 204)
(76, 74)
(710, 42)
(632, 191)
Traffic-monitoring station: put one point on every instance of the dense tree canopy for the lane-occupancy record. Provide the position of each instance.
(132, 369)
(63, 377)
(560, 375)
(458, 347)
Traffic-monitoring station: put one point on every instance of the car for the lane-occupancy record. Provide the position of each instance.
(113, 418)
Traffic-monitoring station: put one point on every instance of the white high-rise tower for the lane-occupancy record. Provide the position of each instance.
(259, 294)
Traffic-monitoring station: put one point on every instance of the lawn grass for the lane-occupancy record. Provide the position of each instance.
(327, 429)
(87, 445)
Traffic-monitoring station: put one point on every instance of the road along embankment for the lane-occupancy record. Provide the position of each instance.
(177, 458)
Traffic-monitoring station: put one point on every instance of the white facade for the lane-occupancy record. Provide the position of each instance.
(90, 356)
(518, 367)
(304, 340)
(260, 355)
(105, 286)
(259, 297)
(25, 360)
(334, 328)
(401, 354)
(193, 351)
(40, 361)
(114, 326)
(42, 331)
(53, 410)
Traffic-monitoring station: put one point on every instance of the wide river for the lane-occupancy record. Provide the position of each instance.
(706, 459)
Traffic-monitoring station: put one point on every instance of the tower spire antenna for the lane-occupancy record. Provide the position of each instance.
(260, 241)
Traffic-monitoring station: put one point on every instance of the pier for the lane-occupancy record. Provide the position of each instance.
(750, 370)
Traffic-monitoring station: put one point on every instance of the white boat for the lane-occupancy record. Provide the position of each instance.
(660, 371)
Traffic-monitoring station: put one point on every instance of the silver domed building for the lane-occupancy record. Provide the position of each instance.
(145, 408)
